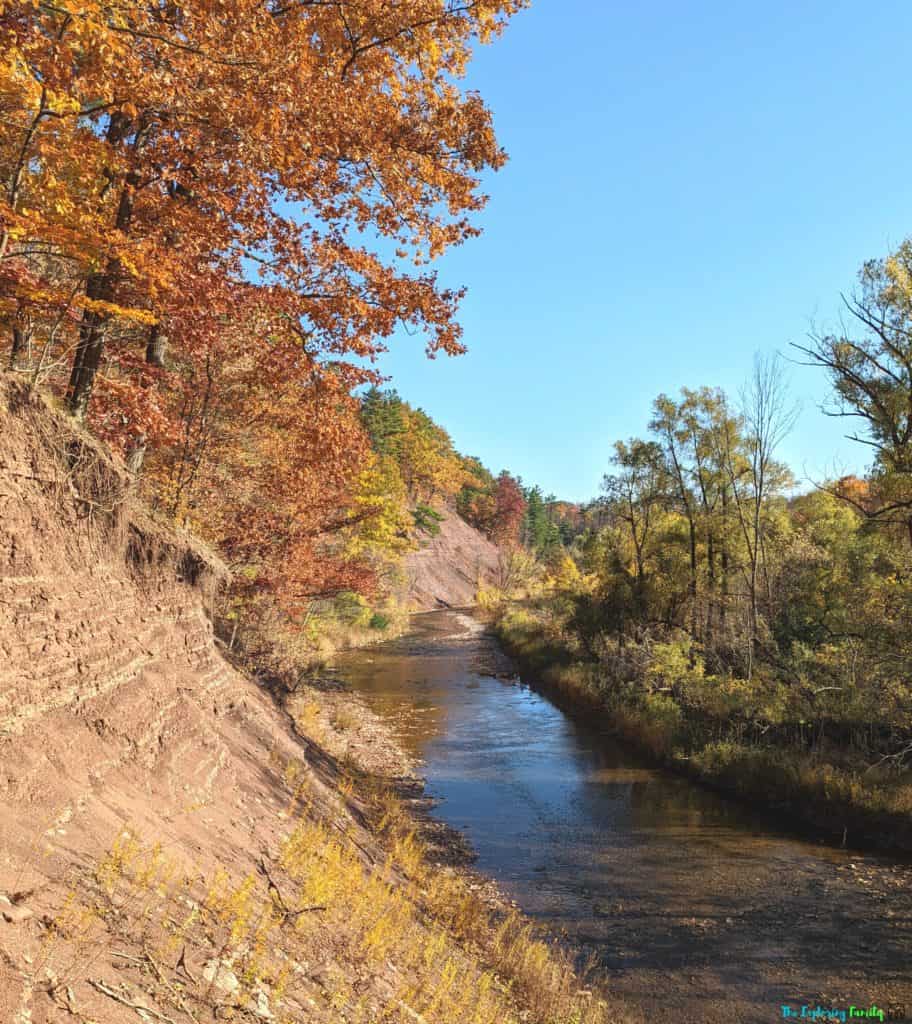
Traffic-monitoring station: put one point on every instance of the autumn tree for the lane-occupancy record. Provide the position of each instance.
(509, 509)
(154, 151)
(212, 219)
(673, 540)
(280, 513)
(380, 516)
(675, 438)
(636, 492)
(701, 440)
(704, 417)
(870, 368)
(475, 501)
(430, 465)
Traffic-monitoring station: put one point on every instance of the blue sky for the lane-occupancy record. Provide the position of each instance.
(688, 184)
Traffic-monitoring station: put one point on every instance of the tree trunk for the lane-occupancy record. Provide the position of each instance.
(156, 346)
(93, 328)
(710, 585)
(18, 346)
(100, 287)
(723, 604)
(692, 655)
(136, 454)
(754, 567)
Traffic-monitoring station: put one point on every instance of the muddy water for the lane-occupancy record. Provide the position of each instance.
(697, 909)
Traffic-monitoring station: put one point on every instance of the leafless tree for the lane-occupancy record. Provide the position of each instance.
(769, 414)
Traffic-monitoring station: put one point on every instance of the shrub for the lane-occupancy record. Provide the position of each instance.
(427, 519)
(352, 609)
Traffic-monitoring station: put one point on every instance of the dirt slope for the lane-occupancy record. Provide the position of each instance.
(447, 569)
(116, 709)
(174, 846)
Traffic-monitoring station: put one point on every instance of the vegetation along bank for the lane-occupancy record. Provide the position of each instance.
(739, 624)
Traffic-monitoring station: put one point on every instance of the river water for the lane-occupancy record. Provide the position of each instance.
(696, 908)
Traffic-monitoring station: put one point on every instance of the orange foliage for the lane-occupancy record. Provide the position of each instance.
(218, 174)
(147, 146)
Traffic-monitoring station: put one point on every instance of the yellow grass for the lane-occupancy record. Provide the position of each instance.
(402, 939)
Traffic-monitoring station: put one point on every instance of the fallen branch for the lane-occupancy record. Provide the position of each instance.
(138, 1007)
(181, 965)
(898, 758)
(283, 905)
(175, 995)
(147, 960)
(127, 956)
(370, 857)
(68, 1004)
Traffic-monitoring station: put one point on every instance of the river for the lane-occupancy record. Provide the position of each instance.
(696, 908)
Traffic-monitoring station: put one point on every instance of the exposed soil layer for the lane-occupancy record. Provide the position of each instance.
(117, 709)
(175, 846)
(448, 569)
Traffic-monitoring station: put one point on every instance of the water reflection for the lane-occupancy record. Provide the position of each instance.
(671, 884)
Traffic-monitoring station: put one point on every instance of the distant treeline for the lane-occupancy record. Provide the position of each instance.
(760, 635)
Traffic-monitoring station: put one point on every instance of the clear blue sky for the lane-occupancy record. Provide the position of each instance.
(688, 184)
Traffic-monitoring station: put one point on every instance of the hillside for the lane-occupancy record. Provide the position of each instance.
(179, 843)
(447, 569)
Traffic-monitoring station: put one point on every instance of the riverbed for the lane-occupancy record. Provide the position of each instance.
(697, 908)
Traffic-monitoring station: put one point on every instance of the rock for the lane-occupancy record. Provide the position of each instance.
(259, 1005)
(16, 915)
(221, 977)
(12, 912)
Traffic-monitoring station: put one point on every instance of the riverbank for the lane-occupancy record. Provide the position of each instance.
(184, 840)
(698, 909)
(721, 739)
(454, 925)
(312, 883)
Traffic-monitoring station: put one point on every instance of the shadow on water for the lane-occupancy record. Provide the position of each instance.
(692, 903)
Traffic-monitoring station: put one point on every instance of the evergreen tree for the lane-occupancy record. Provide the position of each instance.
(383, 417)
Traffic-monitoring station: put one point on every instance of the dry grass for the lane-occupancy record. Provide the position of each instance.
(536, 972)
(337, 924)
